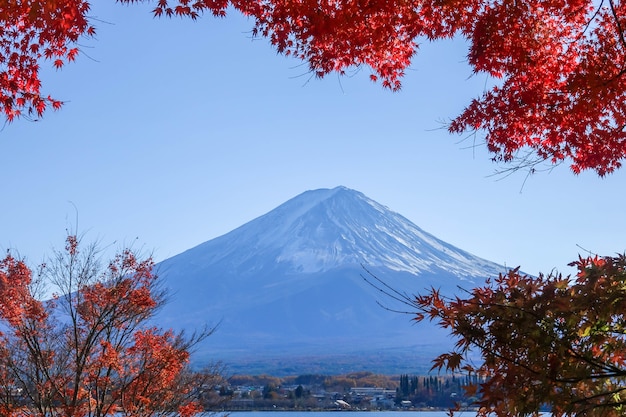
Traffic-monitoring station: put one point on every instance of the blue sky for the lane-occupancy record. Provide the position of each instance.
(176, 132)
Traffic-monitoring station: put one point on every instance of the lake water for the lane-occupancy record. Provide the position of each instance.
(346, 414)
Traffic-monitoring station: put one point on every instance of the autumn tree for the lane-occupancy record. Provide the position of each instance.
(536, 342)
(559, 66)
(90, 350)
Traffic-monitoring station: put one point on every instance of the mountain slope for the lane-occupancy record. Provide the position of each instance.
(288, 286)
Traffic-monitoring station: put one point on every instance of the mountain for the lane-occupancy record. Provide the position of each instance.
(288, 293)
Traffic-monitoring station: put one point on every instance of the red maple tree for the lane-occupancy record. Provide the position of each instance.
(546, 342)
(90, 351)
(560, 64)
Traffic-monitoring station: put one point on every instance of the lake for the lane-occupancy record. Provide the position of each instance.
(348, 413)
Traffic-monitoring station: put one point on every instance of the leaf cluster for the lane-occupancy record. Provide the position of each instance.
(544, 341)
(560, 65)
(91, 350)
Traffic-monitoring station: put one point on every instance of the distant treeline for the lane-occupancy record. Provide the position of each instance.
(324, 391)
(328, 382)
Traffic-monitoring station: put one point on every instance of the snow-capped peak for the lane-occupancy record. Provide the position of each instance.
(323, 229)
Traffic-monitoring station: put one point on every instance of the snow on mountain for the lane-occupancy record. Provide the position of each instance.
(289, 284)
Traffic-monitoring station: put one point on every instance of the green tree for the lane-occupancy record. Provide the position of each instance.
(299, 392)
(414, 385)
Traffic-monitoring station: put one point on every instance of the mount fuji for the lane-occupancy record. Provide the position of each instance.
(287, 292)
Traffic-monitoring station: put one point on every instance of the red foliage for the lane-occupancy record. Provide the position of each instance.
(541, 341)
(162, 363)
(30, 31)
(17, 304)
(561, 63)
(126, 288)
(91, 351)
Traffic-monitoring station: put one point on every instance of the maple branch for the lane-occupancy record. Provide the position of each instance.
(390, 292)
(590, 20)
(622, 39)
(500, 356)
(600, 395)
(528, 162)
(620, 30)
(610, 371)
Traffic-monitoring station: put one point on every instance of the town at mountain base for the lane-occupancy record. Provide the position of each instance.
(289, 295)
(356, 391)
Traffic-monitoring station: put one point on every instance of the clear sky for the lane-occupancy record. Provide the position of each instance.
(176, 132)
